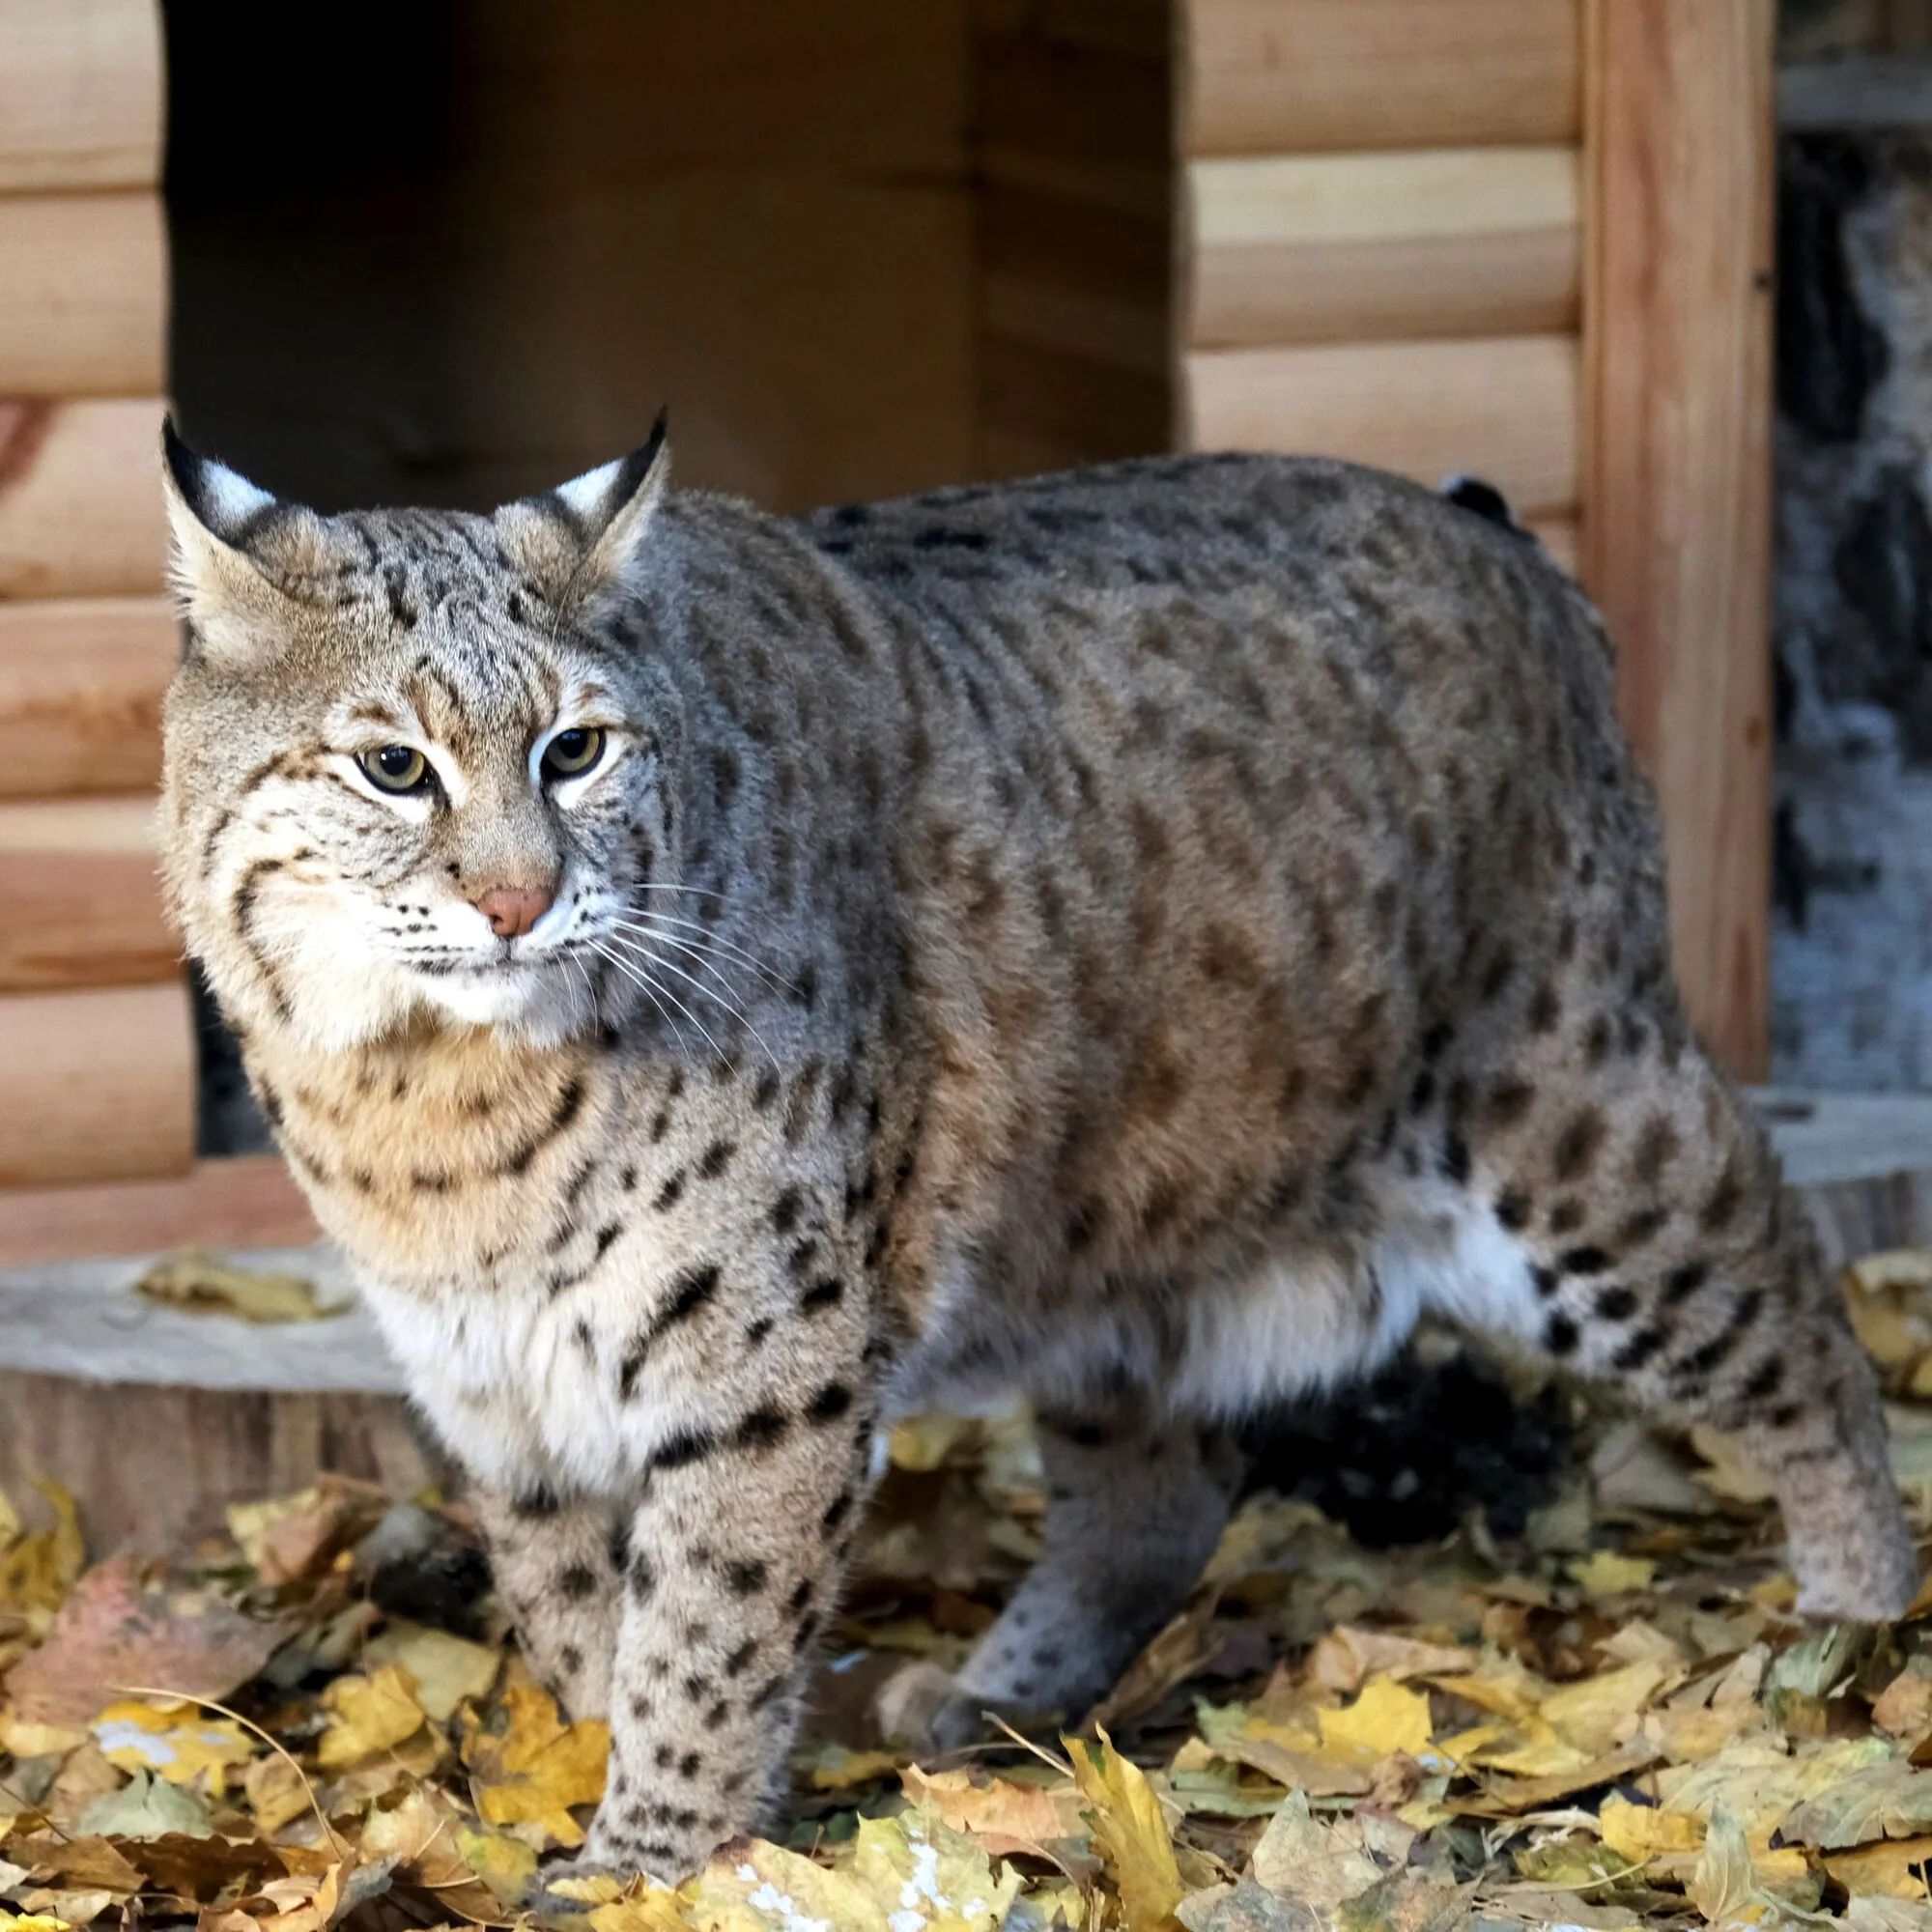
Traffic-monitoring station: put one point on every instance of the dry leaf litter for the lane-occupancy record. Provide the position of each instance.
(1605, 1716)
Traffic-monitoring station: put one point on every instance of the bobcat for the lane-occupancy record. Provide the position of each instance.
(1139, 937)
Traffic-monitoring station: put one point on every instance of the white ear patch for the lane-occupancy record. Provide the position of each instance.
(230, 496)
(587, 494)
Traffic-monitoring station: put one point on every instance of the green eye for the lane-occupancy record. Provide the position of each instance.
(573, 752)
(397, 768)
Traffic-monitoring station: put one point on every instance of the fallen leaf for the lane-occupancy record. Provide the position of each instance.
(1642, 1833)
(290, 1538)
(1895, 1869)
(1129, 1831)
(368, 1715)
(177, 1743)
(1386, 1717)
(1723, 1883)
(445, 1669)
(37, 1570)
(1005, 1818)
(147, 1807)
(927, 1875)
(1312, 1863)
(203, 1284)
(1347, 1656)
(538, 1768)
(836, 1768)
(1883, 1799)
(1604, 1573)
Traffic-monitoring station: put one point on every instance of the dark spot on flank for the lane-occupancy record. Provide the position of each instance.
(1584, 1260)
(572, 1660)
(799, 1598)
(1681, 1283)
(619, 1547)
(822, 1295)
(836, 1512)
(1514, 1210)
(682, 1447)
(785, 1211)
(1725, 1200)
(537, 1503)
(669, 1193)
(1617, 1304)
(1764, 1380)
(1576, 1145)
(641, 1579)
(1456, 1159)
(763, 1428)
(688, 1764)
(1560, 1335)
(1567, 1217)
(1545, 1009)
(1508, 1102)
(759, 1329)
(829, 1404)
(717, 1158)
(1638, 1350)
(578, 1581)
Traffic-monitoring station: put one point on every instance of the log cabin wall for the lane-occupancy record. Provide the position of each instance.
(95, 1030)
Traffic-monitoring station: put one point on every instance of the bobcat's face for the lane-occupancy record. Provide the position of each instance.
(399, 775)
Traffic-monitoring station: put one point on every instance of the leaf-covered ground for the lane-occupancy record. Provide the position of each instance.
(1608, 1720)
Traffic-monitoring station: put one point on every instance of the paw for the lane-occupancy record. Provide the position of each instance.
(1850, 1600)
(924, 1709)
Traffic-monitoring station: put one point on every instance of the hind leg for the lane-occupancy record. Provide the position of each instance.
(1662, 1256)
(1136, 1502)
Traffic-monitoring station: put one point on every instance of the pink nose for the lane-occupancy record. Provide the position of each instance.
(512, 910)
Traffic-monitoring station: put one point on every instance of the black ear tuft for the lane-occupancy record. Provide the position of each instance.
(186, 467)
(1482, 500)
(222, 501)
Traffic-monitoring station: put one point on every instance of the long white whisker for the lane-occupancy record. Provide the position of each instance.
(652, 993)
(707, 944)
(736, 1011)
(632, 933)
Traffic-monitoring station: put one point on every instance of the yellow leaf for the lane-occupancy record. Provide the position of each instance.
(1640, 1832)
(1893, 1869)
(505, 1865)
(37, 1922)
(1385, 1719)
(923, 1442)
(601, 1888)
(836, 1768)
(763, 1888)
(446, 1669)
(925, 1874)
(1005, 1818)
(180, 1745)
(39, 1568)
(642, 1911)
(368, 1715)
(275, 1792)
(1731, 1473)
(1606, 1573)
(1893, 1267)
(203, 1284)
(1597, 1712)
(1130, 1833)
(539, 1767)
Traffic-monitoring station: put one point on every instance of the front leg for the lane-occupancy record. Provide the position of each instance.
(750, 1492)
(557, 1563)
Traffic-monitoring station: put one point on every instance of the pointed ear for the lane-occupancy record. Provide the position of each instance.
(226, 591)
(580, 539)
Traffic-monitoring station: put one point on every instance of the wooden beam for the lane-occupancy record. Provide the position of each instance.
(81, 94)
(1357, 248)
(249, 1201)
(83, 898)
(1505, 409)
(80, 500)
(99, 1084)
(1677, 480)
(81, 684)
(83, 294)
(1295, 77)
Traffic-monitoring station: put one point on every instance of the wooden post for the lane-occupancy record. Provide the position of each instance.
(1676, 496)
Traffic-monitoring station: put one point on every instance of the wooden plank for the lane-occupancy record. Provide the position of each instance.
(1677, 524)
(249, 1201)
(1354, 247)
(99, 1084)
(199, 1451)
(81, 94)
(83, 898)
(81, 684)
(1561, 536)
(83, 294)
(1262, 76)
(1504, 408)
(80, 502)
(1042, 409)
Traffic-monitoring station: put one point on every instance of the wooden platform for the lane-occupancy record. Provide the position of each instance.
(156, 1418)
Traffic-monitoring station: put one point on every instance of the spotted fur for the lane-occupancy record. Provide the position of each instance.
(1141, 938)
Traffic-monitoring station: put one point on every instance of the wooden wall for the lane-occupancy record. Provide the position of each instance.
(1382, 237)
(93, 1018)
